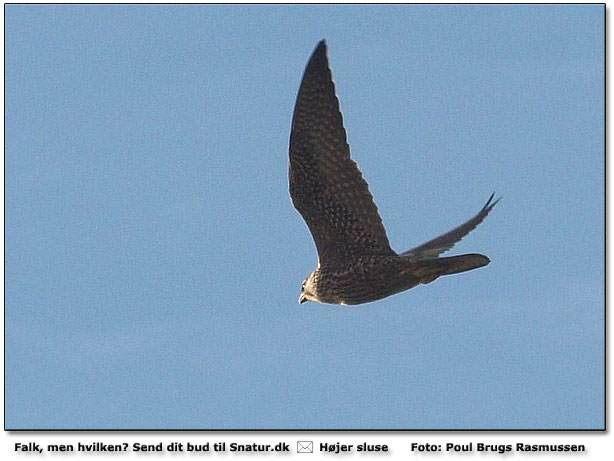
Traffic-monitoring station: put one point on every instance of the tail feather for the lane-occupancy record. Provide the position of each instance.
(430, 269)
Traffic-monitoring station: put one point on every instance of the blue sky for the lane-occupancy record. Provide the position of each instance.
(154, 259)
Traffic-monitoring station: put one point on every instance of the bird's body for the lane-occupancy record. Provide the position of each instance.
(362, 280)
(356, 263)
(370, 278)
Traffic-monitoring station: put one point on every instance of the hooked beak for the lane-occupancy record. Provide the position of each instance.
(302, 299)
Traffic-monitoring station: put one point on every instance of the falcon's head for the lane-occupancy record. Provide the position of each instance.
(309, 290)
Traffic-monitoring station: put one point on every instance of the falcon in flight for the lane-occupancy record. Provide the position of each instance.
(355, 262)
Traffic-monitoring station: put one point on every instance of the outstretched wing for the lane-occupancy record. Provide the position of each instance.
(443, 243)
(326, 186)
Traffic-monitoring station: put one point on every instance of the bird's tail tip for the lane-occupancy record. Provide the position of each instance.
(429, 270)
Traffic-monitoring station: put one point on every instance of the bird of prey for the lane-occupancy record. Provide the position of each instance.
(355, 261)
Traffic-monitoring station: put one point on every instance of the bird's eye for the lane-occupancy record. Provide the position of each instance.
(303, 287)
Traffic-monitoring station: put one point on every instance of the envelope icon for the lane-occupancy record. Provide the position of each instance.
(304, 447)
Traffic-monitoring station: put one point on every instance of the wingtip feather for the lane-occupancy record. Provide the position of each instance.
(490, 204)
